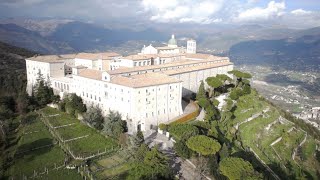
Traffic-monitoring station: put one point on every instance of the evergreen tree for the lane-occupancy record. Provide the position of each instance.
(114, 125)
(224, 152)
(203, 145)
(94, 117)
(201, 92)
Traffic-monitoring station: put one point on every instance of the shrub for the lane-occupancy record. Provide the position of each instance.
(182, 150)
(163, 127)
(204, 102)
(215, 102)
(183, 131)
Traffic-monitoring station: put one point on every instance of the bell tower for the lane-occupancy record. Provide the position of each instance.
(191, 46)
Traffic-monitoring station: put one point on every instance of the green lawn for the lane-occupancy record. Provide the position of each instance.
(36, 125)
(34, 140)
(119, 171)
(92, 144)
(59, 120)
(73, 131)
(36, 160)
(26, 161)
(61, 174)
(86, 146)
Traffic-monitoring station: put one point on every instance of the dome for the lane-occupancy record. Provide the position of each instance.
(172, 41)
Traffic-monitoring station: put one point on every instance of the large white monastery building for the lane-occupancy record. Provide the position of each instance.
(146, 88)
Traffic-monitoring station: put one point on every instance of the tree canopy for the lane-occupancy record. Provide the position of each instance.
(114, 125)
(203, 145)
(223, 77)
(214, 82)
(43, 93)
(235, 168)
(183, 131)
(240, 74)
(201, 92)
(94, 117)
(155, 165)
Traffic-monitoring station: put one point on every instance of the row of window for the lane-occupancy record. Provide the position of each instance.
(91, 96)
(61, 86)
(159, 112)
(142, 63)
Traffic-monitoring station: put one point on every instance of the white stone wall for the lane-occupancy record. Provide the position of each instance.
(33, 67)
(191, 80)
(83, 62)
(156, 104)
(149, 50)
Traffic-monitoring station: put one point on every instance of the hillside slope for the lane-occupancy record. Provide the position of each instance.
(286, 145)
(12, 69)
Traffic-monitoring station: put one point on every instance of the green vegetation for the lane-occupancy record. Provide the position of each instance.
(94, 117)
(114, 125)
(155, 165)
(248, 133)
(81, 140)
(73, 105)
(183, 131)
(203, 145)
(36, 151)
(237, 168)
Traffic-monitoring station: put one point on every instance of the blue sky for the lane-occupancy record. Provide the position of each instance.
(291, 13)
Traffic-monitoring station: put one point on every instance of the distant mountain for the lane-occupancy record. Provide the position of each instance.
(299, 52)
(221, 42)
(13, 68)
(21, 37)
(84, 36)
(71, 36)
(43, 26)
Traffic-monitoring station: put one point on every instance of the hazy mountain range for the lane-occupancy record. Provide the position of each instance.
(244, 44)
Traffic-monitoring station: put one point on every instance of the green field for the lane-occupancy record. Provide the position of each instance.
(28, 159)
(114, 166)
(61, 173)
(93, 143)
(57, 118)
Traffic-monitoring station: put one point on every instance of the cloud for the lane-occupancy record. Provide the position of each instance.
(300, 12)
(183, 11)
(272, 11)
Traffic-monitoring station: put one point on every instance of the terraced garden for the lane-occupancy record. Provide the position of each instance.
(109, 167)
(276, 140)
(37, 154)
(82, 141)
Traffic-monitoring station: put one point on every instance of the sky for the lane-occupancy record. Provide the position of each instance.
(291, 13)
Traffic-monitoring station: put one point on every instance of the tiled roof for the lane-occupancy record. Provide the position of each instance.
(143, 80)
(198, 56)
(46, 58)
(139, 57)
(166, 65)
(90, 74)
(90, 56)
(195, 68)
